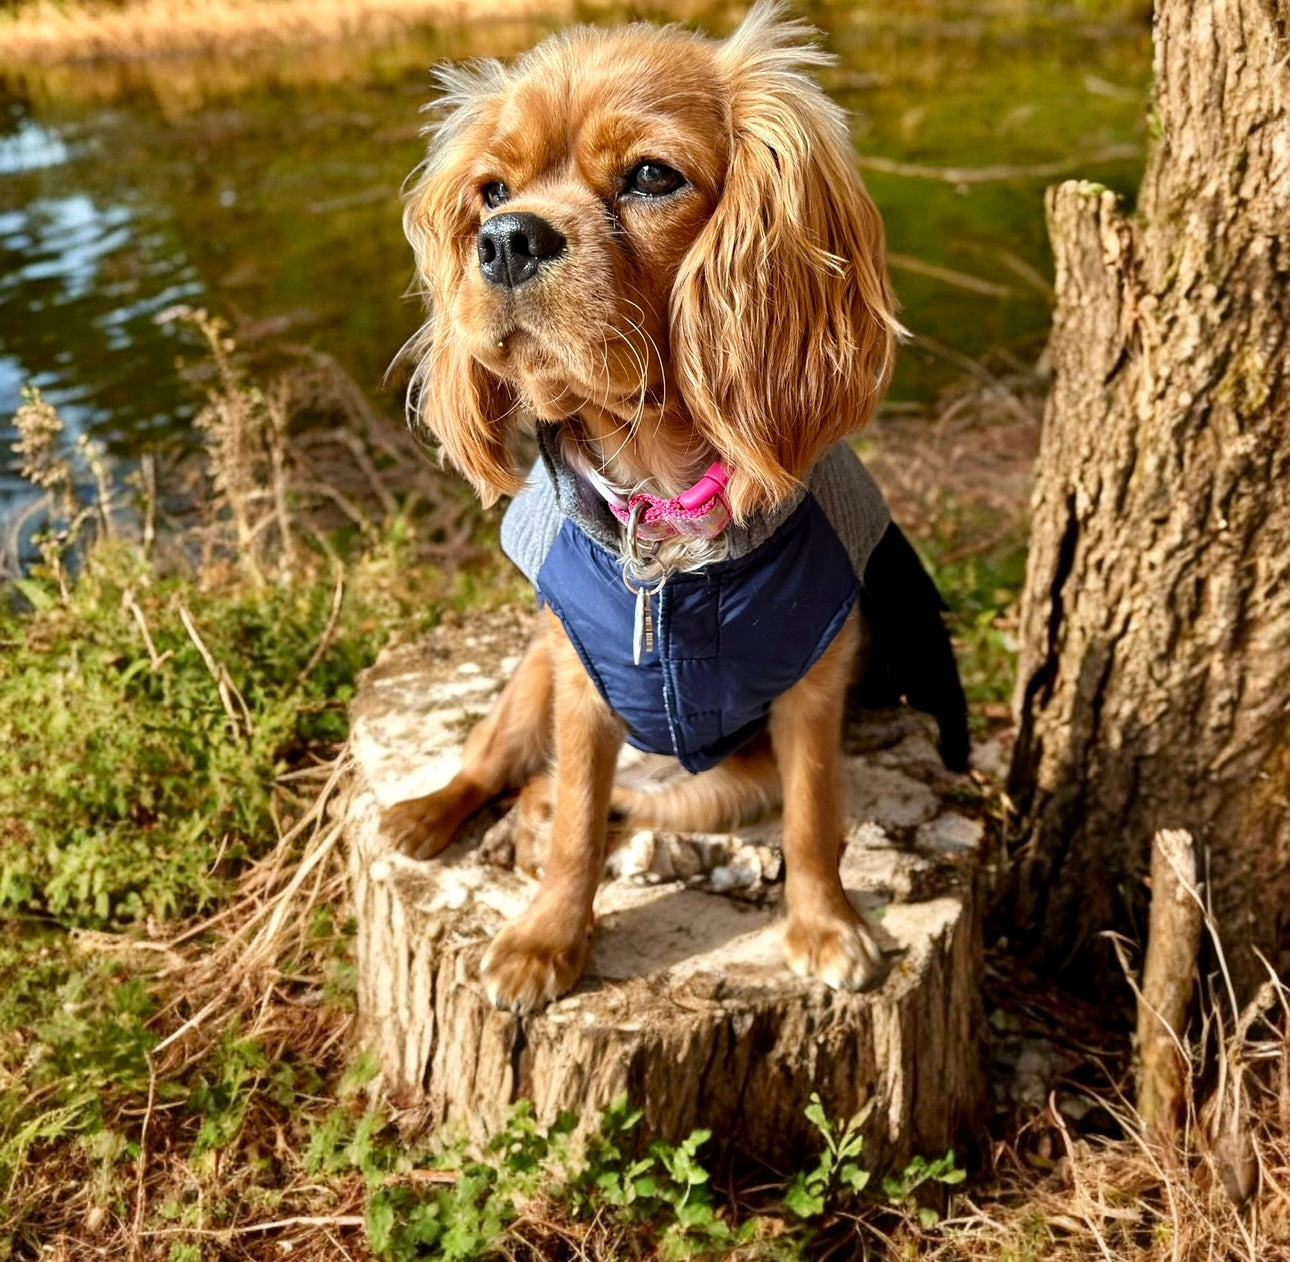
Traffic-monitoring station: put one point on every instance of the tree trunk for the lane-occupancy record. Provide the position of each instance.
(1154, 680)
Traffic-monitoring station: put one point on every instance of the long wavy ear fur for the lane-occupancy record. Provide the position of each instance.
(783, 324)
(450, 394)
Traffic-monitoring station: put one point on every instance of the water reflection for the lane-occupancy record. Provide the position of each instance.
(29, 148)
(64, 242)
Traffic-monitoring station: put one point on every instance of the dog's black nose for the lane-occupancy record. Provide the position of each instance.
(513, 246)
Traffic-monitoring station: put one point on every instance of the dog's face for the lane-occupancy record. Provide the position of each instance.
(659, 240)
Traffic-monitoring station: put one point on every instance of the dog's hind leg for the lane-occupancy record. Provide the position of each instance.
(825, 936)
(511, 743)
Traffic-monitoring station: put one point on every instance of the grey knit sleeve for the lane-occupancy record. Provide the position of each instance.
(851, 501)
(531, 523)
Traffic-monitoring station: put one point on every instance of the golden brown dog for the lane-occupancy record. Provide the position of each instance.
(659, 243)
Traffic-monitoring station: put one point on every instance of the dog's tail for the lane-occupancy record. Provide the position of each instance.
(738, 790)
(910, 655)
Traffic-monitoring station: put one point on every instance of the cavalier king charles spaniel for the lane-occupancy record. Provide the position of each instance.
(651, 251)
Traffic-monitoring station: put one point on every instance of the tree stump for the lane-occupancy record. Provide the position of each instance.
(687, 1005)
(1154, 679)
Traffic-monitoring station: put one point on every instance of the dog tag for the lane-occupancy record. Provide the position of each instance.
(643, 616)
(643, 625)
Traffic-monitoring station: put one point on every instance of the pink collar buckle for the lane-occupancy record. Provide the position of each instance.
(699, 513)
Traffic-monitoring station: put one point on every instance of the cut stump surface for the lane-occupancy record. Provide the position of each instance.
(687, 1005)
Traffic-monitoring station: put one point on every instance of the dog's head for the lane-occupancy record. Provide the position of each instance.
(658, 239)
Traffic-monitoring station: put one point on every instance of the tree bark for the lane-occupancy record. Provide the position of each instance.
(1154, 678)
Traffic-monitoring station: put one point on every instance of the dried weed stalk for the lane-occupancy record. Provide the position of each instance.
(46, 463)
(289, 466)
(1220, 1189)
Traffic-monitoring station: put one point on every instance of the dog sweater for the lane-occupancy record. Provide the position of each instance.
(730, 637)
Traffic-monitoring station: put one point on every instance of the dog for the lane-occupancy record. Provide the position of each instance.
(651, 250)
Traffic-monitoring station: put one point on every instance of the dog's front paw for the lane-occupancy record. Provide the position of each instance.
(842, 953)
(420, 827)
(527, 966)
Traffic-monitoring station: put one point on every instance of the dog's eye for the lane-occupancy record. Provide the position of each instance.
(654, 179)
(495, 194)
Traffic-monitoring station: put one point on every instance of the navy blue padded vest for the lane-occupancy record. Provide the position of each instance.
(729, 638)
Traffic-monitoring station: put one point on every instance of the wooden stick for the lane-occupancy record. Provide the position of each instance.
(1168, 974)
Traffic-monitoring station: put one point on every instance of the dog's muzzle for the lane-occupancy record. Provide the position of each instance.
(514, 245)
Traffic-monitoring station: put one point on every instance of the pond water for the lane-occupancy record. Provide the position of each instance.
(266, 189)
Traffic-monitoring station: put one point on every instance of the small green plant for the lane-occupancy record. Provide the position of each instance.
(900, 1189)
(834, 1189)
(982, 593)
(75, 1041)
(810, 1192)
(236, 1076)
(451, 1204)
(668, 1188)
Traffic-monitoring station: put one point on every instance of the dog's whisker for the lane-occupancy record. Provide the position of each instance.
(633, 421)
(604, 360)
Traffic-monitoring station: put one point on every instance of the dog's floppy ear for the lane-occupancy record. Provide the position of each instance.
(452, 395)
(783, 325)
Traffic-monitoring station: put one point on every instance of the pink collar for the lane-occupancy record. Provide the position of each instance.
(699, 513)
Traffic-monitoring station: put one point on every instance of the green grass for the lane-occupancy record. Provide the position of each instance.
(136, 779)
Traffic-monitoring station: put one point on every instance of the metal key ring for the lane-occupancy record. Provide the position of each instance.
(633, 541)
(649, 592)
(644, 567)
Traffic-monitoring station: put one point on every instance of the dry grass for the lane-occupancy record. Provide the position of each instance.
(961, 473)
(49, 32)
(1221, 1190)
(45, 31)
